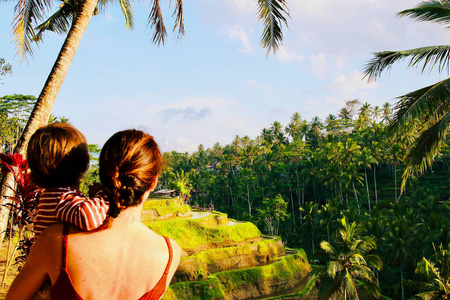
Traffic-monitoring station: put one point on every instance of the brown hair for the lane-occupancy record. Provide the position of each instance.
(57, 155)
(130, 162)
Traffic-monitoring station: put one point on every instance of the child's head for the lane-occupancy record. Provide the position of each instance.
(129, 164)
(57, 155)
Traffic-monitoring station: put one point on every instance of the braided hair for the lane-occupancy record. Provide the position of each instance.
(130, 162)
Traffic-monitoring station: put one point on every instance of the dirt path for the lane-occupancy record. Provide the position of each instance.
(12, 272)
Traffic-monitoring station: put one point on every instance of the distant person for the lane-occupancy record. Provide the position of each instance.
(123, 259)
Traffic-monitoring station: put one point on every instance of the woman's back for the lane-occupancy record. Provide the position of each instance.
(125, 261)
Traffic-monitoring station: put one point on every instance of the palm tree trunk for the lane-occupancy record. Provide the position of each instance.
(44, 105)
(401, 278)
(248, 200)
(367, 188)
(356, 197)
(375, 183)
(395, 182)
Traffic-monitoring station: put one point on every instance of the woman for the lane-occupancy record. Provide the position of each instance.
(123, 260)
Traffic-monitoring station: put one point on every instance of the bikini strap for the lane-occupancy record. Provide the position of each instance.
(169, 263)
(64, 245)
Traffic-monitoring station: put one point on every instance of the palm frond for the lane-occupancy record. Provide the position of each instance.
(430, 56)
(179, 21)
(156, 22)
(431, 11)
(350, 285)
(327, 247)
(427, 295)
(272, 12)
(425, 148)
(59, 22)
(125, 5)
(374, 261)
(333, 268)
(430, 102)
(26, 13)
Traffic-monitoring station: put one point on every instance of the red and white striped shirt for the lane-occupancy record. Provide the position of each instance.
(70, 206)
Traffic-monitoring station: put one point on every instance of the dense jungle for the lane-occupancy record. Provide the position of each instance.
(300, 180)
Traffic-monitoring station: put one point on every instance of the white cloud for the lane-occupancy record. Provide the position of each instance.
(333, 100)
(319, 64)
(239, 33)
(243, 6)
(350, 85)
(285, 54)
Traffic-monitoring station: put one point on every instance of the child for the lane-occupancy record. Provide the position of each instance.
(58, 157)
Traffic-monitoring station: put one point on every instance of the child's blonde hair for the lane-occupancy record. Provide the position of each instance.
(58, 155)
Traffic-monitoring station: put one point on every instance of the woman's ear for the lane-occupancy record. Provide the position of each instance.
(154, 183)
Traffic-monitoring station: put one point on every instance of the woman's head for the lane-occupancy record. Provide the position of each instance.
(130, 162)
(57, 155)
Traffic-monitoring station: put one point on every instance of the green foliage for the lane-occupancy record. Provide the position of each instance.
(271, 212)
(348, 264)
(92, 174)
(14, 112)
(5, 68)
(179, 181)
(348, 166)
(436, 272)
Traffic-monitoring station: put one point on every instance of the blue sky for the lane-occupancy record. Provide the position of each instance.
(217, 82)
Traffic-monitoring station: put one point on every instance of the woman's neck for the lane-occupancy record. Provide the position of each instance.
(130, 215)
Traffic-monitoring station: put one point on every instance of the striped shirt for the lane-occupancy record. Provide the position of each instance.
(70, 206)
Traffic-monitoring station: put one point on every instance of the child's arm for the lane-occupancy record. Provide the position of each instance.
(87, 214)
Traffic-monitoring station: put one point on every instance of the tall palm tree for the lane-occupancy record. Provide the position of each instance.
(309, 212)
(365, 159)
(429, 106)
(348, 262)
(328, 214)
(401, 236)
(28, 12)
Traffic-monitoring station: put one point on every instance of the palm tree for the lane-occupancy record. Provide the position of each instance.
(328, 214)
(376, 152)
(386, 113)
(349, 176)
(27, 13)
(437, 275)
(428, 107)
(366, 159)
(401, 236)
(348, 262)
(309, 211)
(376, 112)
(395, 156)
(365, 111)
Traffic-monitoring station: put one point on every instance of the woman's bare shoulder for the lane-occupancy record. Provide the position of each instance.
(51, 233)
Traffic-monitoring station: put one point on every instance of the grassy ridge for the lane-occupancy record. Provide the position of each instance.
(222, 284)
(191, 234)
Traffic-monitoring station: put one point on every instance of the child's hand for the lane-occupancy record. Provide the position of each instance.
(95, 188)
